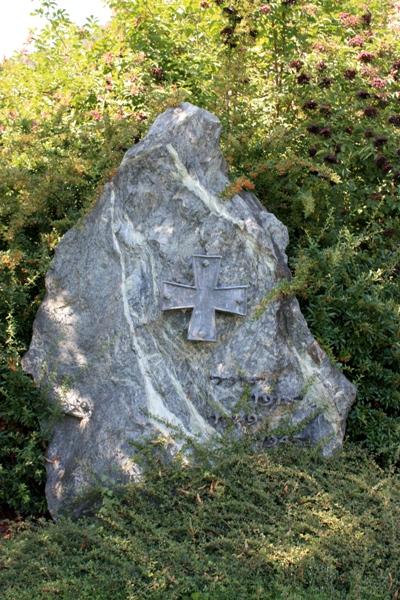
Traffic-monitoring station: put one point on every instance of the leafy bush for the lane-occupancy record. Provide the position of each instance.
(308, 95)
(238, 524)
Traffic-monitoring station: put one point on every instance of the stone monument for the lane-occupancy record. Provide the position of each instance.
(154, 322)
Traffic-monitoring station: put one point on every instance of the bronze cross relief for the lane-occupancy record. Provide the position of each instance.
(204, 297)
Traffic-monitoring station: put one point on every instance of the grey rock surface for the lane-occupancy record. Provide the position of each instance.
(122, 369)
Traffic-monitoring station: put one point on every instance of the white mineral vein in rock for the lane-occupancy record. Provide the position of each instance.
(155, 403)
(194, 185)
(129, 234)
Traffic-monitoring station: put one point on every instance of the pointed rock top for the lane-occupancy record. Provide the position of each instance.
(195, 135)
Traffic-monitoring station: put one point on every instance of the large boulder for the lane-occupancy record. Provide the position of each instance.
(120, 368)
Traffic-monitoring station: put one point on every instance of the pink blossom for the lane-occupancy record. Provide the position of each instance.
(357, 40)
(96, 115)
(158, 73)
(350, 74)
(366, 18)
(378, 83)
(265, 9)
(366, 57)
(108, 58)
(135, 90)
(310, 9)
(319, 47)
(140, 116)
(140, 56)
(296, 64)
(349, 20)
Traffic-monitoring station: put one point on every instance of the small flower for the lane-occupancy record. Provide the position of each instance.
(370, 112)
(296, 64)
(376, 197)
(314, 128)
(319, 47)
(349, 130)
(140, 57)
(135, 89)
(325, 109)
(227, 32)
(350, 74)
(368, 133)
(265, 9)
(369, 71)
(321, 66)
(310, 9)
(349, 20)
(325, 132)
(312, 151)
(365, 57)
(394, 120)
(230, 10)
(395, 70)
(382, 101)
(331, 159)
(303, 79)
(366, 18)
(325, 82)
(378, 83)
(380, 161)
(396, 176)
(387, 167)
(310, 105)
(204, 4)
(389, 232)
(95, 115)
(355, 41)
(363, 94)
(380, 141)
(141, 116)
(396, 269)
(108, 58)
(158, 73)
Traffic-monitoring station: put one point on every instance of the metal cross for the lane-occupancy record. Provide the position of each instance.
(204, 297)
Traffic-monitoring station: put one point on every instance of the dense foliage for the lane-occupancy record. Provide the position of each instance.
(239, 524)
(309, 96)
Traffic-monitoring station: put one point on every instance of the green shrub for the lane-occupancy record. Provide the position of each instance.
(237, 524)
